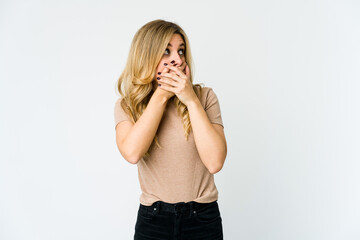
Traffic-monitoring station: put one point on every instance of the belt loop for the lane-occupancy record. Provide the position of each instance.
(157, 206)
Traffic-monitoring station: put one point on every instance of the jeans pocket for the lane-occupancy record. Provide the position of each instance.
(145, 212)
(208, 213)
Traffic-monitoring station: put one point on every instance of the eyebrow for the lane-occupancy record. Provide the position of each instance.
(179, 45)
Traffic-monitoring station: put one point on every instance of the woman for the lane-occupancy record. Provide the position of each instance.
(172, 129)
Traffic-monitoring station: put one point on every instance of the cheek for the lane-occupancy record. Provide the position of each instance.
(159, 69)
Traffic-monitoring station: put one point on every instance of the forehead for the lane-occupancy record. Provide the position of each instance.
(176, 40)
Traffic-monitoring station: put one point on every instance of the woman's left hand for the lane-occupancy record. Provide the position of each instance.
(179, 84)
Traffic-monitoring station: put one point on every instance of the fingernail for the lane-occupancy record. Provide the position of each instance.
(165, 64)
(159, 73)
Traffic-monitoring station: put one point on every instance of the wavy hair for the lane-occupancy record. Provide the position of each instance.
(135, 83)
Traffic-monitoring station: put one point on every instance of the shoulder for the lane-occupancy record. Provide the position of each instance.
(205, 94)
(117, 103)
(206, 90)
(120, 101)
(120, 105)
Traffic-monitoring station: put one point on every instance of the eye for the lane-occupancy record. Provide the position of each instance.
(180, 50)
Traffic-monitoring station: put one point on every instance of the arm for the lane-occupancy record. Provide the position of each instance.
(133, 140)
(209, 138)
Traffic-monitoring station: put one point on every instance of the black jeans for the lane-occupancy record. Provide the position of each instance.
(179, 221)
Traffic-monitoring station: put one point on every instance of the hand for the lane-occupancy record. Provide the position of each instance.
(178, 83)
(161, 91)
(182, 67)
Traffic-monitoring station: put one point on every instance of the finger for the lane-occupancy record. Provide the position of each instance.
(177, 71)
(168, 81)
(182, 67)
(172, 75)
(159, 81)
(163, 84)
(165, 70)
(168, 88)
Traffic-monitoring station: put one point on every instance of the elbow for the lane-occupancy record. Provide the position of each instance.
(135, 156)
(216, 168)
(131, 158)
(218, 164)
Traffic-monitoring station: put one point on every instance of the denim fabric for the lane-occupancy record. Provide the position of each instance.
(179, 221)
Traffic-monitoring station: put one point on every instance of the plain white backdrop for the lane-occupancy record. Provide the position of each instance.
(286, 74)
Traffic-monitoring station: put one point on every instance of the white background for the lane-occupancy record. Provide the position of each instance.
(287, 77)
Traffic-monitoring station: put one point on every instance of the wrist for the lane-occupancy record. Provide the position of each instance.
(194, 104)
(160, 98)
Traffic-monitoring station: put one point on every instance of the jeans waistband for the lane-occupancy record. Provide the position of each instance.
(177, 207)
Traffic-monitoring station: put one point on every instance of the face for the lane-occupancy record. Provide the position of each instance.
(175, 51)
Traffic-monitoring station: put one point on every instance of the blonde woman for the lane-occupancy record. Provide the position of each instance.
(173, 131)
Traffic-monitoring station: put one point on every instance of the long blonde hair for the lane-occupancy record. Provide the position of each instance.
(135, 82)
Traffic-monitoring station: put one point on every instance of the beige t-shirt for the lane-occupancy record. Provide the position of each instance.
(176, 173)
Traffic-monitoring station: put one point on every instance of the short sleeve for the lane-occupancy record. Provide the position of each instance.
(119, 113)
(212, 107)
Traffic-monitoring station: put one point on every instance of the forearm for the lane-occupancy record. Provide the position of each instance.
(209, 143)
(142, 133)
